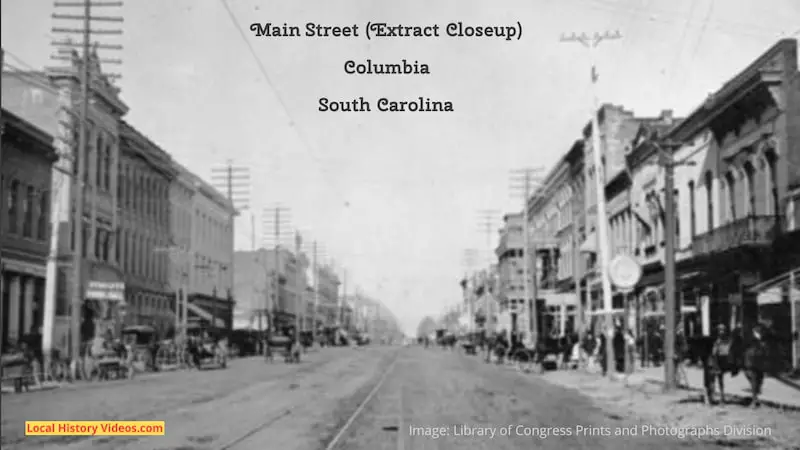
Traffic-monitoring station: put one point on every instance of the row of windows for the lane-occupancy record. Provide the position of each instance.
(144, 194)
(132, 252)
(99, 157)
(27, 211)
(215, 233)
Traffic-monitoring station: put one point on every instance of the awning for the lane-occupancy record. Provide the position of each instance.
(780, 280)
(206, 315)
(590, 244)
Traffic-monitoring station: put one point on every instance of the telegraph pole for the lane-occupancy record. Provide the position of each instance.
(280, 214)
(666, 159)
(487, 223)
(2, 196)
(299, 304)
(591, 42)
(235, 182)
(315, 271)
(577, 265)
(529, 252)
(470, 259)
(79, 154)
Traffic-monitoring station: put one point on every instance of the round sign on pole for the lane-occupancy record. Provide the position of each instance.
(624, 272)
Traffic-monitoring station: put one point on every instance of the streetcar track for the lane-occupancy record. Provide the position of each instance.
(171, 409)
(276, 418)
(343, 430)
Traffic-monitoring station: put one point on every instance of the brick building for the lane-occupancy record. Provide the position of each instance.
(27, 159)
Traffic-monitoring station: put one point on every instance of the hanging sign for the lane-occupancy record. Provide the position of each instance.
(625, 272)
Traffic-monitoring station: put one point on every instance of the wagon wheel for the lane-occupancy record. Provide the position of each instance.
(164, 355)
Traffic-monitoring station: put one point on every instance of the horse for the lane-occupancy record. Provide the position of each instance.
(749, 354)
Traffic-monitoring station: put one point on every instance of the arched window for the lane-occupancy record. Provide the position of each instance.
(749, 180)
(709, 184)
(771, 184)
(107, 168)
(100, 162)
(732, 191)
(43, 227)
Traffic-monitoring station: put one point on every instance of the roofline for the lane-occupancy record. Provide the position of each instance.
(30, 130)
(731, 86)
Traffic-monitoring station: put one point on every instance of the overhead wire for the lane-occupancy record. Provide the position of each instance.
(292, 123)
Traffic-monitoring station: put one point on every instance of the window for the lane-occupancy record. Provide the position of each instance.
(27, 211)
(709, 182)
(120, 186)
(106, 246)
(772, 184)
(101, 161)
(44, 216)
(13, 207)
(107, 169)
(692, 214)
(749, 176)
(118, 247)
(731, 183)
(676, 207)
(98, 244)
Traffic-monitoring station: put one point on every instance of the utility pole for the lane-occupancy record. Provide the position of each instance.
(487, 223)
(577, 265)
(299, 304)
(470, 260)
(591, 42)
(2, 197)
(344, 297)
(529, 252)
(235, 182)
(280, 220)
(667, 160)
(79, 155)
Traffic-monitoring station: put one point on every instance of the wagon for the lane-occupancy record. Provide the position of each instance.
(206, 346)
(140, 343)
(285, 347)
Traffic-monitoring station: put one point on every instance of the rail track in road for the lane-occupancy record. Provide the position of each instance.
(342, 430)
(155, 413)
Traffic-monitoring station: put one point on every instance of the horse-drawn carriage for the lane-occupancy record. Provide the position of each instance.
(284, 345)
(206, 346)
(141, 344)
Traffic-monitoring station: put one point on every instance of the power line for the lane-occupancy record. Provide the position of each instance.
(292, 123)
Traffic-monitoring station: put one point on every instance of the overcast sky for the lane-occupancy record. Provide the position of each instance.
(394, 198)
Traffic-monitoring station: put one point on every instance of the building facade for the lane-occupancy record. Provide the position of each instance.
(102, 283)
(740, 191)
(211, 254)
(27, 159)
(145, 173)
(512, 311)
(328, 296)
(255, 286)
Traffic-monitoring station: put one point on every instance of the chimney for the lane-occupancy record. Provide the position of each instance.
(666, 115)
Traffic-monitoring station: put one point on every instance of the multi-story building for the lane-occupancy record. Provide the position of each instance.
(255, 286)
(551, 211)
(209, 260)
(328, 295)
(27, 159)
(512, 310)
(145, 173)
(102, 284)
(739, 190)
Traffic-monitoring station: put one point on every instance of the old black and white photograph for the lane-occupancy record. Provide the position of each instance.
(366, 225)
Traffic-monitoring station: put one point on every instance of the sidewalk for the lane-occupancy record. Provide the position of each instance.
(776, 393)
